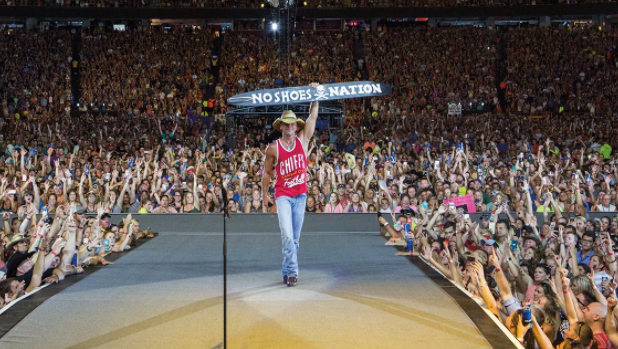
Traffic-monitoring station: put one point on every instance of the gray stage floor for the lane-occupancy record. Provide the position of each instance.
(352, 292)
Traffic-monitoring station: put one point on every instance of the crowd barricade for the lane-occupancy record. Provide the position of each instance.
(210, 223)
(500, 325)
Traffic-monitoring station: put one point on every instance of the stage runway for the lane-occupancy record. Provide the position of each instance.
(352, 293)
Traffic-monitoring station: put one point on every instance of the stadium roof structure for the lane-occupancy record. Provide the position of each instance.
(278, 109)
(310, 13)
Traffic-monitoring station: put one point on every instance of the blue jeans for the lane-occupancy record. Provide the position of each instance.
(291, 213)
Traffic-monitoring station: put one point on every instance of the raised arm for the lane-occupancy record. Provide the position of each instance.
(196, 201)
(526, 189)
(35, 189)
(484, 290)
(571, 314)
(126, 235)
(441, 210)
(125, 187)
(159, 124)
(503, 283)
(269, 164)
(307, 133)
(541, 338)
(22, 165)
(132, 197)
(610, 326)
(82, 200)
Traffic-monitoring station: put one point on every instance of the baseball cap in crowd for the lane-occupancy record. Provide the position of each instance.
(408, 212)
(416, 173)
(487, 242)
(190, 170)
(532, 237)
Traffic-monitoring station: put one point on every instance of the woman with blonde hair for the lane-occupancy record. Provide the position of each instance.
(581, 284)
(189, 204)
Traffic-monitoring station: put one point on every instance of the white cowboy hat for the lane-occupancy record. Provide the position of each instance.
(288, 117)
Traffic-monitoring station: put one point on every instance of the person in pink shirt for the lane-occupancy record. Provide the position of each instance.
(333, 205)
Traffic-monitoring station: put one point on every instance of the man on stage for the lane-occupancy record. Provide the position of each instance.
(287, 156)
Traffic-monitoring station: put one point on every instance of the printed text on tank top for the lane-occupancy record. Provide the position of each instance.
(290, 169)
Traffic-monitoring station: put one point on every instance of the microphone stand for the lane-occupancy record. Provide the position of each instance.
(225, 213)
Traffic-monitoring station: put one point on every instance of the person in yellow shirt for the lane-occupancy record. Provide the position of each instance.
(146, 207)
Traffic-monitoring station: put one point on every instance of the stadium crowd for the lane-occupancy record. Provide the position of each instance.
(544, 175)
(35, 72)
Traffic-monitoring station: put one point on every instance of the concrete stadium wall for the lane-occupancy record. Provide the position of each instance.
(254, 223)
(263, 223)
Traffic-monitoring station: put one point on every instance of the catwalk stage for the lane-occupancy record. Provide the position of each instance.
(352, 293)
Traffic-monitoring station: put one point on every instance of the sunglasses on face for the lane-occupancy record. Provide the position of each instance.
(583, 307)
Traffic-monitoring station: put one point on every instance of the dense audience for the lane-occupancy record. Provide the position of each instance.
(250, 61)
(35, 73)
(548, 277)
(545, 75)
(163, 72)
(544, 176)
(458, 67)
(309, 3)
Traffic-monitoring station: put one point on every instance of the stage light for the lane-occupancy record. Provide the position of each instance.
(262, 5)
(305, 3)
(274, 26)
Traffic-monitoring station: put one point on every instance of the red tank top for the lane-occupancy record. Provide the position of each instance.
(290, 170)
